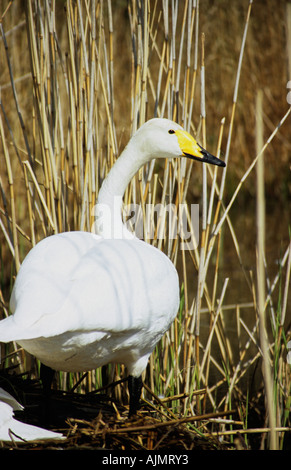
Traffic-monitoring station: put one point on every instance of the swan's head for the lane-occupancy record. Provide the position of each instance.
(162, 138)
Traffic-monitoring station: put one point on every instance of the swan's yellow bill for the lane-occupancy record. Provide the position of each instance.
(190, 148)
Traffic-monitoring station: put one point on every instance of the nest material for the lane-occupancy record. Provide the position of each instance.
(95, 421)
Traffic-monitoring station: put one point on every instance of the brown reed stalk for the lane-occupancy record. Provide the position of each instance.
(12, 196)
(267, 372)
(288, 37)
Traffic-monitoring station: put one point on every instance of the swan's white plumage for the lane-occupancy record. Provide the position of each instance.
(12, 429)
(100, 301)
(82, 300)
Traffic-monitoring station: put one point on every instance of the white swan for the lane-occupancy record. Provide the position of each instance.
(13, 430)
(83, 300)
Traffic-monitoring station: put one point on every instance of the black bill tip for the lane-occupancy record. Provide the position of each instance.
(208, 158)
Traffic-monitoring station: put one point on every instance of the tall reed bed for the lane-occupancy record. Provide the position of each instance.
(60, 153)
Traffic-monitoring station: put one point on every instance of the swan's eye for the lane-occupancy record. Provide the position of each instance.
(171, 131)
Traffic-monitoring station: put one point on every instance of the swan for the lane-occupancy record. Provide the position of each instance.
(82, 300)
(13, 430)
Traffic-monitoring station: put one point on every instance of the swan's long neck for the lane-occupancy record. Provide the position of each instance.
(109, 222)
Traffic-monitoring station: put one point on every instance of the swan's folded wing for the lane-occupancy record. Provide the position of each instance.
(114, 285)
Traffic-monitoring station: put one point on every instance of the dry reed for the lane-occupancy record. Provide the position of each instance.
(70, 137)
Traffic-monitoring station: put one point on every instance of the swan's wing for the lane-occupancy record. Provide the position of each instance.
(12, 429)
(10, 400)
(78, 283)
(124, 285)
(43, 276)
(44, 282)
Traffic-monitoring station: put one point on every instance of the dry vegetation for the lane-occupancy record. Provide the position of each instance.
(74, 86)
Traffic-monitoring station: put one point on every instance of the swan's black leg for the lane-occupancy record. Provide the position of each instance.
(46, 377)
(104, 375)
(134, 387)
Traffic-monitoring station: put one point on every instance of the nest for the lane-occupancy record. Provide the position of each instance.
(94, 421)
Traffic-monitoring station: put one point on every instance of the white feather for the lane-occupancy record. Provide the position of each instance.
(13, 430)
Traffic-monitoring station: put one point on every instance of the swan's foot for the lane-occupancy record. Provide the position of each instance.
(134, 387)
